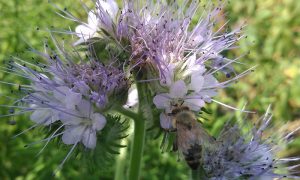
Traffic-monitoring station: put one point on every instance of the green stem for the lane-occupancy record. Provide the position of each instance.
(137, 148)
(139, 134)
(127, 113)
(120, 166)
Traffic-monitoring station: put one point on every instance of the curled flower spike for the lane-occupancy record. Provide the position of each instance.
(72, 96)
(161, 34)
(249, 155)
(163, 45)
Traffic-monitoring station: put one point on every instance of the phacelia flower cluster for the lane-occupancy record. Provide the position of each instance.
(73, 95)
(176, 52)
(172, 52)
(251, 154)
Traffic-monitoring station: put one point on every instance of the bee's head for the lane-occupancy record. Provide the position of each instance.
(179, 115)
(179, 109)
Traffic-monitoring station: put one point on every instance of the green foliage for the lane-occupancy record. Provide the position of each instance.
(109, 140)
(272, 31)
(102, 158)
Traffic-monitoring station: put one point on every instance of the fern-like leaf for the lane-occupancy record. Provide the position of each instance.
(108, 143)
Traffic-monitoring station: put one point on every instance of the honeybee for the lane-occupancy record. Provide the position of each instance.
(190, 136)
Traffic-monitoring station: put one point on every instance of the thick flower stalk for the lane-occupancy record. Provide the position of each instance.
(251, 154)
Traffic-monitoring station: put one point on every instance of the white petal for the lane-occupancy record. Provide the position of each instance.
(73, 134)
(85, 108)
(198, 39)
(60, 93)
(41, 116)
(168, 77)
(72, 99)
(99, 121)
(89, 139)
(132, 98)
(70, 119)
(67, 96)
(79, 41)
(178, 89)
(162, 101)
(194, 104)
(209, 81)
(110, 6)
(197, 81)
(207, 94)
(165, 121)
(265, 177)
(84, 31)
(191, 60)
(82, 87)
(92, 20)
(197, 68)
(191, 66)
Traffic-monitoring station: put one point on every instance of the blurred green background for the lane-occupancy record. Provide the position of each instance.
(273, 39)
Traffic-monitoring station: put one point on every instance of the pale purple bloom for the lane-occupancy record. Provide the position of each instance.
(161, 37)
(73, 95)
(87, 31)
(84, 126)
(161, 40)
(162, 34)
(102, 18)
(193, 95)
(249, 155)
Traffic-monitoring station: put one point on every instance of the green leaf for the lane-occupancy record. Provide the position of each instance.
(108, 143)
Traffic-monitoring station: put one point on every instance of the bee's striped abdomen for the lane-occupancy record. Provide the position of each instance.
(193, 156)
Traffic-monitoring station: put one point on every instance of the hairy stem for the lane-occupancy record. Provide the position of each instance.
(127, 113)
(139, 135)
(137, 149)
(120, 166)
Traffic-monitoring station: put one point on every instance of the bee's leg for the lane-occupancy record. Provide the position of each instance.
(181, 103)
(163, 142)
(178, 156)
(172, 130)
(175, 147)
(175, 144)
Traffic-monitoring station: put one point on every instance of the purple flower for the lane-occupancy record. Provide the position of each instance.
(73, 95)
(102, 18)
(249, 155)
(162, 34)
(181, 95)
(183, 56)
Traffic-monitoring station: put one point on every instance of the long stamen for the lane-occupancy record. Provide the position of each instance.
(63, 162)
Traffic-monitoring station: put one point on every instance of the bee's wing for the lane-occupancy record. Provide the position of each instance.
(205, 139)
(229, 134)
(196, 135)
